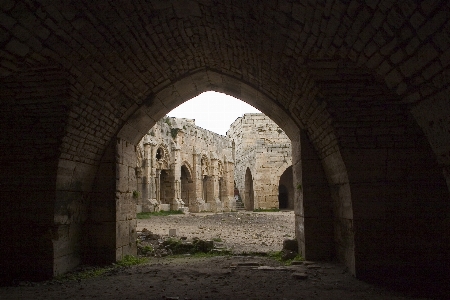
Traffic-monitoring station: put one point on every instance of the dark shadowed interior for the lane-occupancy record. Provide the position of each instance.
(360, 88)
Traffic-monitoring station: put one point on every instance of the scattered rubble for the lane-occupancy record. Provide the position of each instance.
(150, 244)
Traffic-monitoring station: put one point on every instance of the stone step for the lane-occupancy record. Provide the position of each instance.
(240, 205)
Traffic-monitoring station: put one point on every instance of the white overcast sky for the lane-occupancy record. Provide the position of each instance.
(213, 111)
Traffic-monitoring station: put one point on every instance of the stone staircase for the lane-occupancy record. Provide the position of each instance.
(240, 205)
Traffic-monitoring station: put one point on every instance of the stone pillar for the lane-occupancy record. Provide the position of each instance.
(318, 217)
(158, 186)
(153, 175)
(145, 174)
(213, 186)
(177, 202)
(298, 195)
(148, 192)
(198, 203)
(228, 200)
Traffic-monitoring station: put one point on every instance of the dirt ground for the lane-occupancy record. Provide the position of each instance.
(240, 232)
(221, 277)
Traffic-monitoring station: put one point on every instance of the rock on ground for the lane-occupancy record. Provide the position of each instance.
(239, 231)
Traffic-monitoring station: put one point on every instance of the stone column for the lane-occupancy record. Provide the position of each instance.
(149, 198)
(177, 202)
(145, 176)
(158, 186)
(229, 203)
(213, 186)
(198, 203)
(153, 175)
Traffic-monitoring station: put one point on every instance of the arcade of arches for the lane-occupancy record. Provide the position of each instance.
(360, 88)
(183, 167)
(180, 166)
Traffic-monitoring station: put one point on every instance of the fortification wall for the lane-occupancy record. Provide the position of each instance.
(264, 150)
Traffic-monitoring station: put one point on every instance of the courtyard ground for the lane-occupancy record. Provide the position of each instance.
(220, 277)
(239, 231)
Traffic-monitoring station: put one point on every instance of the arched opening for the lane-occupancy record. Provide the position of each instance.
(221, 191)
(187, 186)
(286, 190)
(166, 190)
(358, 102)
(159, 153)
(205, 189)
(290, 127)
(249, 201)
(283, 197)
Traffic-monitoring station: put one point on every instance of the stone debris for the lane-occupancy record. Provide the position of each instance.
(313, 267)
(291, 245)
(248, 264)
(287, 254)
(150, 244)
(229, 234)
(302, 276)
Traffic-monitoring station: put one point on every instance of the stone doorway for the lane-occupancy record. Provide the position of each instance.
(166, 190)
(187, 186)
(283, 197)
(249, 200)
(205, 188)
(286, 190)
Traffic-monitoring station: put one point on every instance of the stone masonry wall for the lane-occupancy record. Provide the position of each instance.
(198, 162)
(366, 80)
(261, 146)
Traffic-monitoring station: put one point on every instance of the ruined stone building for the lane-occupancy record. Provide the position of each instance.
(361, 88)
(181, 166)
(263, 159)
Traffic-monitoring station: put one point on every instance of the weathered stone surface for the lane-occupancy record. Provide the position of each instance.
(73, 79)
(291, 245)
(181, 166)
(262, 153)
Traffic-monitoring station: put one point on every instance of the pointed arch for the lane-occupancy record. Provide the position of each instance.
(249, 196)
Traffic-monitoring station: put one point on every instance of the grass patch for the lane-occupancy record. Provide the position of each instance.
(197, 246)
(147, 215)
(278, 256)
(130, 260)
(273, 209)
(92, 272)
(217, 239)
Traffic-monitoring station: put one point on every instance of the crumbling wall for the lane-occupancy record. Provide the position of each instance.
(198, 162)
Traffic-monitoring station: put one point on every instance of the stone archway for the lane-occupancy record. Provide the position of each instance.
(249, 196)
(286, 190)
(187, 186)
(369, 94)
(283, 197)
(166, 189)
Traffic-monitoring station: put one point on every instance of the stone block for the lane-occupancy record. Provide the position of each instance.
(122, 233)
(64, 264)
(164, 207)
